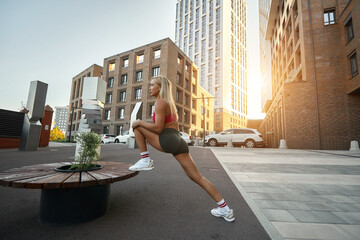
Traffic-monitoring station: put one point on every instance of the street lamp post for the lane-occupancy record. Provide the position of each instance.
(204, 113)
(71, 120)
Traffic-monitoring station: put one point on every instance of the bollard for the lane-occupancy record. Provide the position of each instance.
(132, 143)
(283, 144)
(354, 146)
(229, 143)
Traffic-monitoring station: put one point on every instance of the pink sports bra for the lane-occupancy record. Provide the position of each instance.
(169, 118)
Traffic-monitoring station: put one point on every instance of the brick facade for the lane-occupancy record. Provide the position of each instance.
(316, 100)
(173, 64)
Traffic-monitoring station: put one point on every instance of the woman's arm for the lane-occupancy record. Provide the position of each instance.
(157, 127)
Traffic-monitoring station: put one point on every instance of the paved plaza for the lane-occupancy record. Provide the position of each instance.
(298, 194)
(275, 193)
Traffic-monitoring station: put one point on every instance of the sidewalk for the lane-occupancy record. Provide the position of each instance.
(298, 194)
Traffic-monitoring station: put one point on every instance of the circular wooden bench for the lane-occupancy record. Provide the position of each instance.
(71, 197)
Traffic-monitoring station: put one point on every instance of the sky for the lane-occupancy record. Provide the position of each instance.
(54, 40)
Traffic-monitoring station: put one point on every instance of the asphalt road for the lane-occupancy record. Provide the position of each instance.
(161, 204)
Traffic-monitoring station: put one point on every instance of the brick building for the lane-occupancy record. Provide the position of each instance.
(76, 96)
(128, 77)
(315, 101)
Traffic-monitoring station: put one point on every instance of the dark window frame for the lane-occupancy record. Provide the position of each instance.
(349, 26)
(354, 67)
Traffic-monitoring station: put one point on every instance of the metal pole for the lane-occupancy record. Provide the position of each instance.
(71, 120)
(204, 111)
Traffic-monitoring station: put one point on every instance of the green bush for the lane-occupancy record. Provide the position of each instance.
(89, 142)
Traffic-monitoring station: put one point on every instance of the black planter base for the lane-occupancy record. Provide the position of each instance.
(59, 207)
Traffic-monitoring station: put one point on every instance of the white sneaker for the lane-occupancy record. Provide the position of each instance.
(229, 216)
(141, 165)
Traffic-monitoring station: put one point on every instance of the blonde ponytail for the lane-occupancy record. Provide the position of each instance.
(166, 92)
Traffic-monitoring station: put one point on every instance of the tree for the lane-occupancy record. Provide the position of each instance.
(56, 135)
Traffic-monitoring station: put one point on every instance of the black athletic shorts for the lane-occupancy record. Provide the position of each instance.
(172, 142)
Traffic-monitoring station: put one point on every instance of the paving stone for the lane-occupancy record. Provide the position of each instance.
(311, 231)
(316, 216)
(356, 199)
(265, 190)
(345, 207)
(279, 215)
(339, 198)
(351, 218)
(321, 206)
(282, 205)
(354, 230)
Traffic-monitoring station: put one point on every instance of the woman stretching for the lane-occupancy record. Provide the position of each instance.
(163, 135)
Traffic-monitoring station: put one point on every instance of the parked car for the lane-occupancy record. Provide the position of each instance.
(187, 138)
(107, 138)
(122, 138)
(247, 137)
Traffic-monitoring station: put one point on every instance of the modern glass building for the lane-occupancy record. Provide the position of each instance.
(213, 33)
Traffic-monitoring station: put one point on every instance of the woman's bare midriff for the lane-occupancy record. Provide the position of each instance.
(173, 124)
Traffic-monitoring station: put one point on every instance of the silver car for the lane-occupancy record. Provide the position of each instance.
(247, 137)
(187, 138)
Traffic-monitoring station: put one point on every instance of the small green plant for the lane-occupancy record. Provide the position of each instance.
(87, 154)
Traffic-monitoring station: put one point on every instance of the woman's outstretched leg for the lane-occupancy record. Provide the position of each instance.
(193, 173)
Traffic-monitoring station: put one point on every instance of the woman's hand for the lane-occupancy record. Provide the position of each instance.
(136, 124)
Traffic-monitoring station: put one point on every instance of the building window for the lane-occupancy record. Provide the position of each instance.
(203, 30)
(218, 19)
(108, 97)
(137, 93)
(329, 17)
(197, 21)
(119, 129)
(152, 109)
(139, 76)
(349, 30)
(110, 83)
(121, 113)
(177, 96)
(123, 79)
(157, 53)
(203, 42)
(186, 100)
(106, 130)
(126, 62)
(204, 6)
(123, 96)
(111, 67)
(178, 78)
(354, 65)
(140, 58)
(107, 114)
(156, 71)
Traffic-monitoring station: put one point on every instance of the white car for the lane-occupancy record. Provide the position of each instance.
(187, 138)
(247, 137)
(107, 138)
(123, 138)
